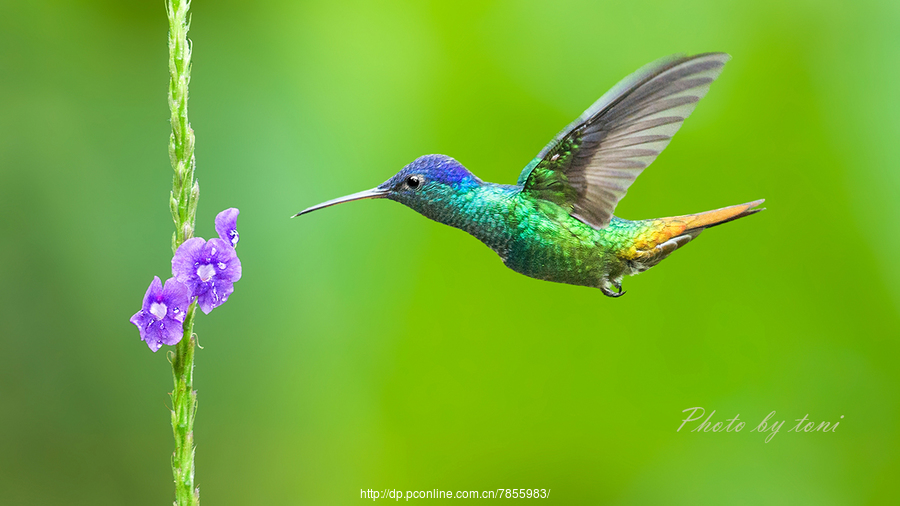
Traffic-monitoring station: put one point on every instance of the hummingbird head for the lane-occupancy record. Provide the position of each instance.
(427, 185)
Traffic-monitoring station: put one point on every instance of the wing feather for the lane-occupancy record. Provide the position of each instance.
(590, 165)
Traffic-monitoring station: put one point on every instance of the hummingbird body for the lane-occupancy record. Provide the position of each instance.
(539, 238)
(556, 223)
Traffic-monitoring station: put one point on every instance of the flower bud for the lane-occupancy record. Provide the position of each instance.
(172, 157)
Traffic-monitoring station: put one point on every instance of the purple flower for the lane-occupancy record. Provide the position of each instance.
(226, 226)
(162, 315)
(209, 269)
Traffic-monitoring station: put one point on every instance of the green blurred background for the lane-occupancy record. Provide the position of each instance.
(367, 347)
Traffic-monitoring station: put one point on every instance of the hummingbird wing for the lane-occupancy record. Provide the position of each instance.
(588, 167)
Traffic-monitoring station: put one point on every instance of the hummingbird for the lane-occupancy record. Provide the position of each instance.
(556, 223)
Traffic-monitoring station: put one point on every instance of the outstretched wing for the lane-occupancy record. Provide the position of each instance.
(589, 166)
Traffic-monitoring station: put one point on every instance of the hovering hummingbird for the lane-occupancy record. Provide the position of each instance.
(556, 222)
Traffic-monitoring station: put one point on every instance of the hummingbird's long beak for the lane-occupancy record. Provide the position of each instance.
(374, 193)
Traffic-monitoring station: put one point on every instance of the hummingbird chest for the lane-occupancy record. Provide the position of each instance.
(546, 243)
(536, 238)
(547, 253)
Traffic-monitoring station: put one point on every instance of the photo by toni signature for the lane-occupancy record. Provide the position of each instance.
(768, 424)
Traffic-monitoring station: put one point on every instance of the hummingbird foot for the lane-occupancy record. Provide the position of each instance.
(609, 293)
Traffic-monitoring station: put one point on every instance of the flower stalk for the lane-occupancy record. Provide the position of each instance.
(203, 272)
(184, 407)
(185, 190)
(183, 204)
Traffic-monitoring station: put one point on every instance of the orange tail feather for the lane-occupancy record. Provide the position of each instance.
(718, 216)
(681, 229)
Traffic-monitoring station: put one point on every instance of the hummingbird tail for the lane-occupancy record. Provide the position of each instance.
(663, 236)
(702, 221)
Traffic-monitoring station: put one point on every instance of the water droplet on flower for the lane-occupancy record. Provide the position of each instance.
(221, 266)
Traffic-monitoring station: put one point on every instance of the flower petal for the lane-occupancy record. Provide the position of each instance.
(152, 293)
(186, 256)
(226, 226)
(142, 319)
(225, 259)
(170, 331)
(177, 297)
(208, 300)
(159, 332)
(218, 293)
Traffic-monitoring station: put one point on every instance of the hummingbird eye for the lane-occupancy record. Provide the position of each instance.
(413, 182)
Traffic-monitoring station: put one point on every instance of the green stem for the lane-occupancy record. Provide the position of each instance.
(183, 204)
(184, 407)
(185, 190)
